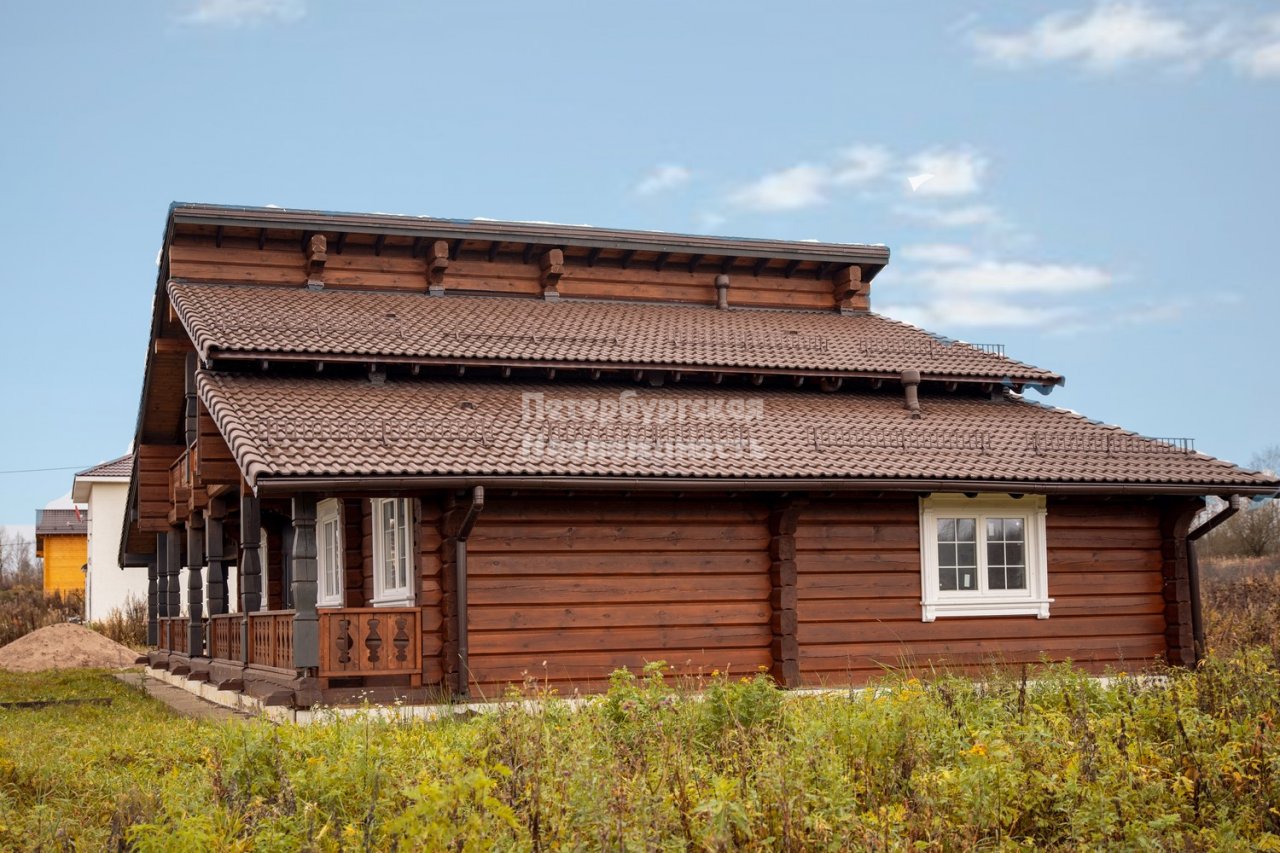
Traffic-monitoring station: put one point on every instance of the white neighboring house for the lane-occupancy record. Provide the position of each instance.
(105, 488)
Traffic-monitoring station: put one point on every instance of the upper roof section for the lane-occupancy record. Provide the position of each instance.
(230, 322)
(467, 236)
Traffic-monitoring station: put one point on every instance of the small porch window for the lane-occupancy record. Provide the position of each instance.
(983, 556)
(392, 552)
(329, 553)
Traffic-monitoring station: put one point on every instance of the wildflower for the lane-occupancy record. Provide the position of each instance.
(978, 749)
(715, 673)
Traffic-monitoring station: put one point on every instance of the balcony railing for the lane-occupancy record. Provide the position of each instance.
(224, 636)
(356, 641)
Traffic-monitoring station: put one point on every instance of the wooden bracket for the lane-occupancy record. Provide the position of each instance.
(850, 290)
(317, 254)
(552, 264)
(437, 263)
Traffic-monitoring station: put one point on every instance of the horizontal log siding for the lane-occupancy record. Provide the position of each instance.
(282, 262)
(858, 589)
(426, 542)
(589, 585)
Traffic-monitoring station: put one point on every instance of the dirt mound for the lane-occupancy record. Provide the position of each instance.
(64, 646)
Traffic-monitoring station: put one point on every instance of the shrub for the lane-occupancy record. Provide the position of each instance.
(126, 625)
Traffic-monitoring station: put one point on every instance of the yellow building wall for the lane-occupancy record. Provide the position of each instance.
(63, 557)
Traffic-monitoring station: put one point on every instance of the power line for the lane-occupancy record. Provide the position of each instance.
(42, 470)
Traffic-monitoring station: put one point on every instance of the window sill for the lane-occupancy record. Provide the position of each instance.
(403, 601)
(1038, 608)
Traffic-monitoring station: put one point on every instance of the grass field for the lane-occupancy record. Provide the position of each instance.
(926, 762)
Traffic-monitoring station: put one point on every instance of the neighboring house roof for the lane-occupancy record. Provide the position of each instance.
(61, 522)
(224, 320)
(120, 469)
(281, 427)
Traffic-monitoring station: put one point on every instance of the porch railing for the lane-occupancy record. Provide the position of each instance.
(271, 639)
(173, 633)
(358, 641)
(224, 636)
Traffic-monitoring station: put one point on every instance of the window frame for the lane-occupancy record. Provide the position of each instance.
(1032, 601)
(396, 596)
(329, 512)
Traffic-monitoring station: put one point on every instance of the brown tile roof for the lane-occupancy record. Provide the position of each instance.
(122, 468)
(279, 427)
(234, 318)
(58, 522)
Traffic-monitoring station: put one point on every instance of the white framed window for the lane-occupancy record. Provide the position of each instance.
(983, 556)
(329, 553)
(392, 552)
(264, 576)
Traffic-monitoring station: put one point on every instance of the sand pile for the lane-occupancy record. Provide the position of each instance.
(64, 646)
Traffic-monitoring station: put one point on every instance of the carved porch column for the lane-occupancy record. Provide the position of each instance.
(306, 622)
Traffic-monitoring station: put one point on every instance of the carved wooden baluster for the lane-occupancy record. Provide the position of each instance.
(373, 640)
(344, 641)
(401, 640)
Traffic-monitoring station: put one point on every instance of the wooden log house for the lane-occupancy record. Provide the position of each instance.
(439, 455)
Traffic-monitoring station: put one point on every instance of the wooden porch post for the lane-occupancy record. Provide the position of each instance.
(162, 573)
(173, 562)
(250, 567)
(153, 598)
(195, 586)
(213, 539)
(306, 622)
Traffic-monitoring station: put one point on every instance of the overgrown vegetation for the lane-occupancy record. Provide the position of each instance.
(126, 625)
(23, 609)
(1056, 761)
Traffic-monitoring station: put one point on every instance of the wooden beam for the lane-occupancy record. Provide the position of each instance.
(217, 237)
(552, 266)
(627, 258)
(593, 255)
(378, 243)
(317, 253)
(527, 255)
(262, 239)
(759, 267)
(494, 248)
(455, 250)
(438, 255)
(849, 290)
(661, 261)
(172, 346)
(306, 622)
(791, 269)
(339, 243)
(694, 260)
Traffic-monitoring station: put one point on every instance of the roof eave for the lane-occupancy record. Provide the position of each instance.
(279, 485)
(871, 257)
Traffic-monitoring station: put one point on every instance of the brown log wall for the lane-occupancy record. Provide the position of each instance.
(587, 585)
(198, 257)
(858, 583)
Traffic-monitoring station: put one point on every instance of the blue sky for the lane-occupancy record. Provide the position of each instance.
(1105, 200)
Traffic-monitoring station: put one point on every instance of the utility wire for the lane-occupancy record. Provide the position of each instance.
(42, 470)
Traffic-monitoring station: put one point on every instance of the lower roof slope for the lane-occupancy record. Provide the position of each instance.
(315, 428)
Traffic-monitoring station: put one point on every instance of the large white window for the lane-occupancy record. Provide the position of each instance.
(329, 553)
(392, 552)
(983, 556)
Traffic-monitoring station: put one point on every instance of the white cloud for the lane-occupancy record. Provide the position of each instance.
(861, 164)
(1112, 34)
(1261, 58)
(954, 173)
(963, 312)
(1013, 277)
(936, 253)
(790, 189)
(665, 177)
(953, 217)
(238, 13)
